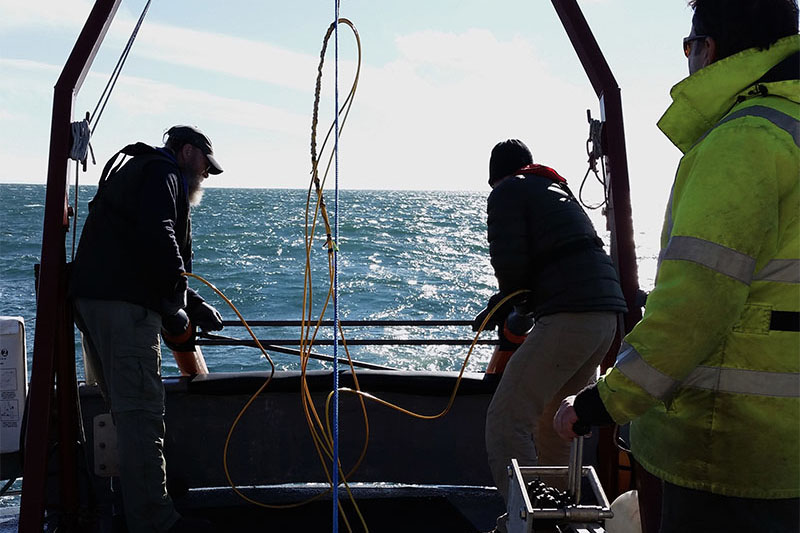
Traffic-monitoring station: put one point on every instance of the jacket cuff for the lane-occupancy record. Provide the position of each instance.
(590, 409)
(193, 299)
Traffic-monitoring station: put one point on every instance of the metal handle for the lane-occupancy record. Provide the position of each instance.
(575, 469)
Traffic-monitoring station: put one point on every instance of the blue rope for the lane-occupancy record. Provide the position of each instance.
(336, 277)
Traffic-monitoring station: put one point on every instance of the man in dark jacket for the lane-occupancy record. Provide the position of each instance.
(541, 241)
(127, 282)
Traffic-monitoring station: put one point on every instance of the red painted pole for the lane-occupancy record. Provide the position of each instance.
(616, 159)
(619, 214)
(54, 338)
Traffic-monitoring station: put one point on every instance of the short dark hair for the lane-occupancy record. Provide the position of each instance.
(508, 157)
(737, 25)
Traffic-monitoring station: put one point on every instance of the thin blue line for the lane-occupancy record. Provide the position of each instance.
(335, 476)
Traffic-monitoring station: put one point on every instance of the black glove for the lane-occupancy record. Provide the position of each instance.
(498, 318)
(590, 410)
(204, 316)
(178, 332)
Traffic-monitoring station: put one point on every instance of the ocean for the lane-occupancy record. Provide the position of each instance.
(410, 255)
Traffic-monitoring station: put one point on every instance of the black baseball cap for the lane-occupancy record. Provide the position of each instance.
(190, 135)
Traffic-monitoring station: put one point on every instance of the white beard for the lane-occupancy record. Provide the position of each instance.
(195, 190)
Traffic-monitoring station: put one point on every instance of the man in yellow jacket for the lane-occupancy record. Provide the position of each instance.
(710, 378)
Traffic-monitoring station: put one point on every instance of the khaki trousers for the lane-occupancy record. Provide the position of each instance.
(559, 358)
(123, 346)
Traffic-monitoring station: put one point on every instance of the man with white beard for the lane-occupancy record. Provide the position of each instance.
(128, 282)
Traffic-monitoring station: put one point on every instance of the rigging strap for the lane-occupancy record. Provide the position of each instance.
(80, 141)
(594, 151)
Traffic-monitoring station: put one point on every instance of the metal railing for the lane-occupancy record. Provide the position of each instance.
(279, 345)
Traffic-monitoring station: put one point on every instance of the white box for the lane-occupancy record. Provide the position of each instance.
(13, 381)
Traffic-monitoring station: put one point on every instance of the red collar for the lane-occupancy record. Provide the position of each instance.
(541, 170)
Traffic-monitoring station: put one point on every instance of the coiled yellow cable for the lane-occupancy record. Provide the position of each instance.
(321, 434)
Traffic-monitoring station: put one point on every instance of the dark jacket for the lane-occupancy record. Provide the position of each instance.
(541, 239)
(137, 238)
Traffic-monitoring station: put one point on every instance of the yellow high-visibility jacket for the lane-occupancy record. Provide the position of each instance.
(710, 377)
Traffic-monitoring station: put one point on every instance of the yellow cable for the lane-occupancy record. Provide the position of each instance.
(322, 439)
(455, 388)
(322, 434)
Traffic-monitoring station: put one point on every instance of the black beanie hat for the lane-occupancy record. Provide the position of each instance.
(508, 157)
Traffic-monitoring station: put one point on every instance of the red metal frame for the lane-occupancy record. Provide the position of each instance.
(53, 352)
(619, 213)
(607, 90)
(53, 347)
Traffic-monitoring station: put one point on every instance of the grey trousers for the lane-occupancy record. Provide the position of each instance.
(123, 346)
(559, 358)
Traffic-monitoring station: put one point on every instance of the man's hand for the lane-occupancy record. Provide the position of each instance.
(565, 420)
(204, 316)
(497, 318)
(476, 323)
(176, 324)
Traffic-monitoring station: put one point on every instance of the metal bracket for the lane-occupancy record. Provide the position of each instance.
(106, 459)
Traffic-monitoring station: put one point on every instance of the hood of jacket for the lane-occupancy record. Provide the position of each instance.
(705, 97)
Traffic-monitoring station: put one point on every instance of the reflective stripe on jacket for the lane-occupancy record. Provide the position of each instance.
(710, 377)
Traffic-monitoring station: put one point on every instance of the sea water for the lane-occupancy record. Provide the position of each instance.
(402, 255)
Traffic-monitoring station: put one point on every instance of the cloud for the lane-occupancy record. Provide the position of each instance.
(437, 110)
(27, 65)
(223, 54)
(227, 55)
(139, 97)
(426, 119)
(37, 14)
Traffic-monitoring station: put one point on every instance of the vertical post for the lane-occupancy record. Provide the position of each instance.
(619, 213)
(608, 92)
(54, 338)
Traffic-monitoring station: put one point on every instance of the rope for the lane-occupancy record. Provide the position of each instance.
(81, 131)
(322, 441)
(80, 140)
(336, 274)
(322, 438)
(75, 213)
(594, 151)
(7, 485)
(282, 323)
(112, 81)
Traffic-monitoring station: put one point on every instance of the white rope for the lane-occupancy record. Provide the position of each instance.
(80, 140)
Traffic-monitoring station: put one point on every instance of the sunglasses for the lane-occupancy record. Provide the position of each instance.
(687, 43)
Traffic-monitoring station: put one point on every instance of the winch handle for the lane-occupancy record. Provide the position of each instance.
(575, 470)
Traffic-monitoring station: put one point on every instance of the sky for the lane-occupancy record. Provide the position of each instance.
(441, 82)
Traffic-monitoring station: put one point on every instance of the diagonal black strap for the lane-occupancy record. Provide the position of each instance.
(788, 69)
(785, 321)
